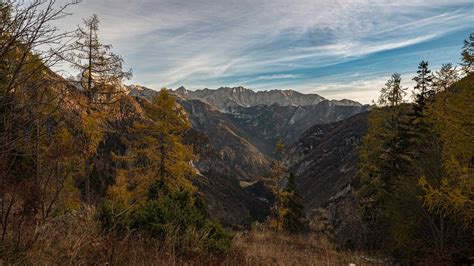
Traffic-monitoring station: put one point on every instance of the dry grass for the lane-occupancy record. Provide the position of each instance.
(76, 239)
(263, 247)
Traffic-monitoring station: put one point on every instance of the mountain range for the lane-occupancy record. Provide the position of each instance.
(226, 99)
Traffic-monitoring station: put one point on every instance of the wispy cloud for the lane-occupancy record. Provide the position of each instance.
(278, 76)
(268, 44)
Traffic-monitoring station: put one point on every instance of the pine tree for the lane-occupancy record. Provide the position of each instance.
(467, 55)
(446, 76)
(293, 219)
(423, 88)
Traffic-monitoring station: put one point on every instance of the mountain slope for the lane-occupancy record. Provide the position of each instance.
(267, 124)
(325, 159)
(229, 141)
(218, 185)
(217, 181)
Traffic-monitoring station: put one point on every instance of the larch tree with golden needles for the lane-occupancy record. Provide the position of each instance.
(157, 153)
(153, 193)
(101, 75)
(277, 175)
(453, 119)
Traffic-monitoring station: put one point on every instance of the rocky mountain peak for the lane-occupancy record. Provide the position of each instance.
(227, 99)
(181, 91)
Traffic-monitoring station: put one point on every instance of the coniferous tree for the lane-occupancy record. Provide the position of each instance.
(468, 55)
(278, 172)
(156, 152)
(452, 120)
(392, 94)
(446, 76)
(169, 125)
(101, 74)
(409, 216)
(294, 216)
(101, 70)
(152, 191)
(383, 159)
(423, 88)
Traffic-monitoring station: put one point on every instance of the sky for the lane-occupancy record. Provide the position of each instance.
(335, 48)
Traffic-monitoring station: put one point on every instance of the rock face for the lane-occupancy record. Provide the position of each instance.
(141, 91)
(226, 99)
(265, 116)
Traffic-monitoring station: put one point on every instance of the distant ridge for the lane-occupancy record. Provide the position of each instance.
(227, 99)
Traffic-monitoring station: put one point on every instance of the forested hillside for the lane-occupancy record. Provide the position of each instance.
(416, 166)
(72, 146)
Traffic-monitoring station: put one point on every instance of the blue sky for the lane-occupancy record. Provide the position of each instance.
(338, 49)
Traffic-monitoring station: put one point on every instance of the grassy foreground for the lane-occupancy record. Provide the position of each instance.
(77, 239)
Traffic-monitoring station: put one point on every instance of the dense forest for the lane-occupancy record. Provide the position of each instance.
(90, 174)
(416, 166)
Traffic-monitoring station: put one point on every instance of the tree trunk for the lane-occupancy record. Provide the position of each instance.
(89, 68)
(87, 179)
(162, 159)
